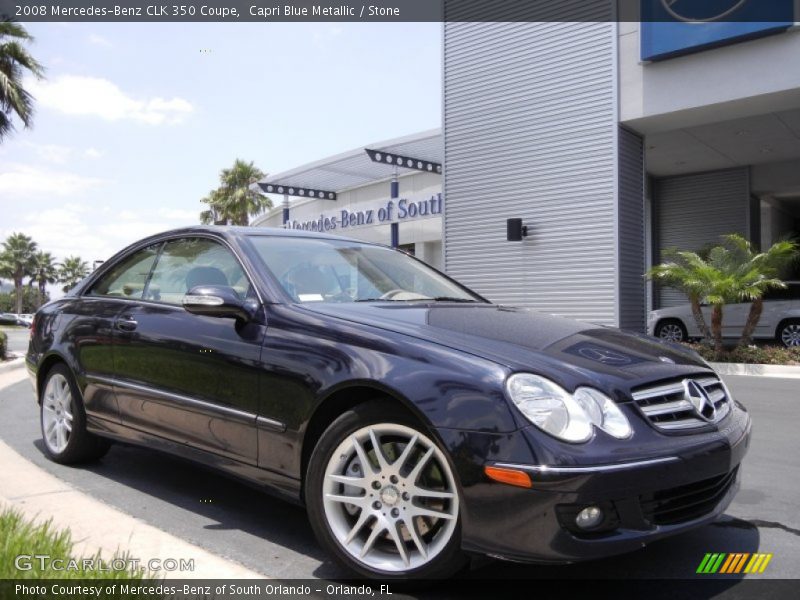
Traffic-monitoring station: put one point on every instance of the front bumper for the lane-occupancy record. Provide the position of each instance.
(644, 500)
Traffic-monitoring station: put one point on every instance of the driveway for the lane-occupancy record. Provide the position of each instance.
(274, 538)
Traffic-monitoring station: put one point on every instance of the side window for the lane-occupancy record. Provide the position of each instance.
(128, 278)
(189, 262)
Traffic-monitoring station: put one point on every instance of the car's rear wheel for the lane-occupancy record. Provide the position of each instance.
(382, 496)
(63, 421)
(671, 330)
(789, 333)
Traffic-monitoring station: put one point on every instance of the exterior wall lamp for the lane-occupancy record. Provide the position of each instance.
(515, 230)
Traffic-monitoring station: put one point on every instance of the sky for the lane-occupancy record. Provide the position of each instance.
(134, 121)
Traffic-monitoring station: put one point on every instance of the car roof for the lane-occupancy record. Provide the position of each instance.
(239, 231)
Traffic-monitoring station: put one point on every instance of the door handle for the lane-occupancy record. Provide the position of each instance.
(127, 324)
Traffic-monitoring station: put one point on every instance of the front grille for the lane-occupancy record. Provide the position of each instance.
(668, 408)
(687, 502)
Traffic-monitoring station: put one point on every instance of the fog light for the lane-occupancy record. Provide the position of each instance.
(589, 518)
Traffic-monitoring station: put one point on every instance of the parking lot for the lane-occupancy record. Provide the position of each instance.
(274, 538)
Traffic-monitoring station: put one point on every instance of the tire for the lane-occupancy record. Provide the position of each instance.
(393, 494)
(63, 421)
(789, 333)
(671, 330)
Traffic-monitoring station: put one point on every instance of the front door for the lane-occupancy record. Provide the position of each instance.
(184, 377)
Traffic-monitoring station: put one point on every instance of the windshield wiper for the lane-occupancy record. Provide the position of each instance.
(378, 300)
(451, 299)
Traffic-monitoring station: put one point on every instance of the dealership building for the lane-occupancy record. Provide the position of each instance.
(611, 141)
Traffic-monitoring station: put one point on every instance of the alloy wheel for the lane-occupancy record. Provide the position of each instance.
(671, 332)
(57, 413)
(790, 335)
(390, 498)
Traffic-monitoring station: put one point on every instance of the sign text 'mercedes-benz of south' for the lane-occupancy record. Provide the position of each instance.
(393, 210)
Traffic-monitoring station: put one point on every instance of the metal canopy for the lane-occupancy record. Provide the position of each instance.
(355, 168)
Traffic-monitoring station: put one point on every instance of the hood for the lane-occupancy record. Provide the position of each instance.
(523, 339)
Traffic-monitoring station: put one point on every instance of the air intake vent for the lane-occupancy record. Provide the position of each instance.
(684, 404)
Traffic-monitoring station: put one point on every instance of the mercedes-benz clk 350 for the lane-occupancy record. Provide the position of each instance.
(417, 422)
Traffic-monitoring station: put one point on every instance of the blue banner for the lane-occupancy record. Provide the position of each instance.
(675, 27)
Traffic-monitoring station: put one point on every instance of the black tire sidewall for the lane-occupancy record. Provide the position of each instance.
(444, 565)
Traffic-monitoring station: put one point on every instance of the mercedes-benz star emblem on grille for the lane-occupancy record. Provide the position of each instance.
(697, 395)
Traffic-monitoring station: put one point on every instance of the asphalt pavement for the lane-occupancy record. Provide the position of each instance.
(273, 537)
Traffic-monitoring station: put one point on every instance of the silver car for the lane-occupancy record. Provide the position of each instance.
(780, 319)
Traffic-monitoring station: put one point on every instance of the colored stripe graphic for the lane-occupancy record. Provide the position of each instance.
(721, 562)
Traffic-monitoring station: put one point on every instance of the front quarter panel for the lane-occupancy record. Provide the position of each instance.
(309, 359)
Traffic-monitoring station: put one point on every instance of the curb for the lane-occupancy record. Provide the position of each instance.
(786, 371)
(14, 363)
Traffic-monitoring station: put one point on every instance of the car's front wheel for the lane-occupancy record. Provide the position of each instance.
(789, 333)
(671, 330)
(382, 497)
(63, 421)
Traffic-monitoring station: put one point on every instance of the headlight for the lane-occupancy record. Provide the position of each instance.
(603, 412)
(566, 416)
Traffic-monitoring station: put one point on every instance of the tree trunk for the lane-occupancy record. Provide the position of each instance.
(753, 317)
(716, 329)
(19, 285)
(697, 313)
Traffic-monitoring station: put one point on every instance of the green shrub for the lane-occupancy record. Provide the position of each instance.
(3, 345)
(756, 355)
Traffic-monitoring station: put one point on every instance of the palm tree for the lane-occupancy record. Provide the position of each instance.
(14, 62)
(689, 273)
(72, 270)
(44, 271)
(732, 273)
(755, 274)
(16, 262)
(236, 200)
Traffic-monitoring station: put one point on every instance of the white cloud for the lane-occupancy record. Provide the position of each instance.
(177, 214)
(99, 40)
(82, 230)
(28, 180)
(52, 152)
(92, 153)
(94, 96)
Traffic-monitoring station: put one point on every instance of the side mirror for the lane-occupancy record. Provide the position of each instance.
(219, 301)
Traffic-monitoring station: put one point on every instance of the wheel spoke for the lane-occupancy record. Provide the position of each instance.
(406, 452)
(60, 437)
(420, 511)
(422, 492)
(68, 426)
(354, 500)
(394, 533)
(412, 477)
(349, 480)
(376, 447)
(412, 531)
(377, 529)
(362, 518)
(362, 455)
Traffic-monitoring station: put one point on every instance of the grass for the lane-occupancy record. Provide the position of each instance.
(20, 537)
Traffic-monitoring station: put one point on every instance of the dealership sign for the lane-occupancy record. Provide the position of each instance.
(395, 210)
(675, 27)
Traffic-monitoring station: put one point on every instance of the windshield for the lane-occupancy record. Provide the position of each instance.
(326, 270)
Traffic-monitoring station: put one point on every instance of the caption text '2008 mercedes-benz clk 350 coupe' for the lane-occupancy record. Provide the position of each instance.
(417, 422)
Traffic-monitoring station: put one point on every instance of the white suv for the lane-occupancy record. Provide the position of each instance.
(780, 319)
